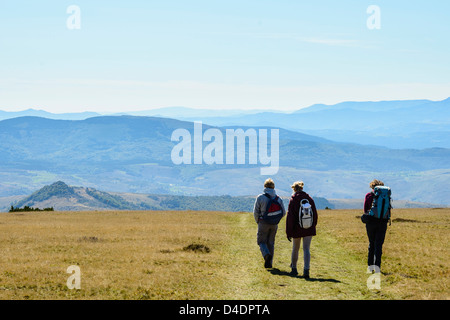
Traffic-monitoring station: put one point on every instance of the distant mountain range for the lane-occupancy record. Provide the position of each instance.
(414, 124)
(113, 142)
(168, 112)
(44, 114)
(129, 154)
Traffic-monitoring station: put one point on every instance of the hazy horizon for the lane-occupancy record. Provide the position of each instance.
(38, 108)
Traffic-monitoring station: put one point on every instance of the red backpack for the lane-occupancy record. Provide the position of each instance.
(274, 211)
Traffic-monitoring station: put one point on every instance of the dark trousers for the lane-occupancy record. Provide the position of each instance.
(376, 232)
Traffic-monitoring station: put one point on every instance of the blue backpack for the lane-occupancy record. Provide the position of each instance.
(274, 212)
(381, 205)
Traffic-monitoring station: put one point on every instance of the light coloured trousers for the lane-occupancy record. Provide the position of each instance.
(306, 252)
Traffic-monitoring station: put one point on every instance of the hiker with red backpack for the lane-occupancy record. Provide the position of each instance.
(268, 211)
(377, 214)
(301, 224)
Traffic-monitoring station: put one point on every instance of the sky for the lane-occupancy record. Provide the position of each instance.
(118, 56)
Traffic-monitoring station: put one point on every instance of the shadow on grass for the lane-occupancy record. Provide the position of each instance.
(279, 272)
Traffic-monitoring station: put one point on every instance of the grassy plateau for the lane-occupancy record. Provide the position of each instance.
(213, 255)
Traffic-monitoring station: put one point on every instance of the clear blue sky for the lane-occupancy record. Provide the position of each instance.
(247, 54)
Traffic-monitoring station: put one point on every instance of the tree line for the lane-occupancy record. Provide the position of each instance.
(29, 209)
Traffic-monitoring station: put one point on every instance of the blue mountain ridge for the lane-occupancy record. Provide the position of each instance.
(132, 154)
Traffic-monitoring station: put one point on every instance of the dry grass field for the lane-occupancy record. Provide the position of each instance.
(214, 256)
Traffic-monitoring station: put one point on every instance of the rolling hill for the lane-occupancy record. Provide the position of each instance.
(111, 142)
(62, 197)
(133, 155)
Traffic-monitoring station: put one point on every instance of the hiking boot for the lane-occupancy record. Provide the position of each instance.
(268, 261)
(306, 273)
(294, 272)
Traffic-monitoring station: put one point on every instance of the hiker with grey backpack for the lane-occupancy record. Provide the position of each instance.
(377, 214)
(268, 211)
(301, 224)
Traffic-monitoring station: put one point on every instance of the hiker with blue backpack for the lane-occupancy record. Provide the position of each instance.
(268, 211)
(301, 222)
(377, 214)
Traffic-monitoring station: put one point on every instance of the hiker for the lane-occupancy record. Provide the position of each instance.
(268, 211)
(376, 225)
(296, 231)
